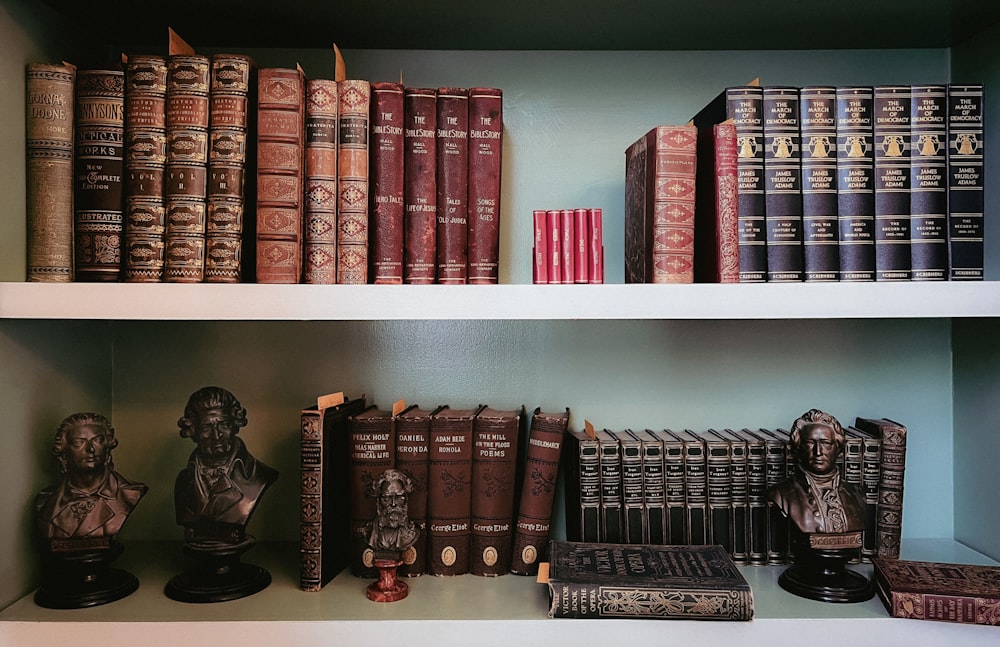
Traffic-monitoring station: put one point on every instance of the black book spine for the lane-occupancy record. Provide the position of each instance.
(928, 183)
(718, 460)
(855, 184)
(632, 497)
(966, 140)
(783, 184)
(610, 526)
(818, 127)
(777, 523)
(653, 491)
(696, 489)
(739, 489)
(871, 472)
(756, 498)
(892, 182)
(744, 105)
(674, 490)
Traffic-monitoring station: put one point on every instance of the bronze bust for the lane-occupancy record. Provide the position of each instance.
(391, 530)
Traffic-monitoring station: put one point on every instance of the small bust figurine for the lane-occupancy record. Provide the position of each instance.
(222, 484)
(817, 499)
(391, 531)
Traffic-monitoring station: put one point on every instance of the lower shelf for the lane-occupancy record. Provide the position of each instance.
(444, 611)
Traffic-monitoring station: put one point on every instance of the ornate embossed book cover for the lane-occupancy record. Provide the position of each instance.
(892, 182)
(963, 593)
(716, 232)
(386, 191)
(320, 252)
(449, 495)
(372, 451)
(889, 525)
(589, 580)
(494, 467)
(420, 186)
(966, 178)
(352, 182)
(856, 183)
(452, 185)
(818, 125)
(928, 183)
(485, 164)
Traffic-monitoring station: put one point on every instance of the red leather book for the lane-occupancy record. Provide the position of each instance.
(452, 185)
(145, 162)
(228, 124)
(538, 490)
(413, 428)
(373, 451)
(659, 206)
(449, 491)
(581, 254)
(494, 466)
(186, 182)
(553, 232)
(716, 237)
(280, 170)
(386, 191)
(352, 182)
(420, 185)
(596, 274)
(485, 163)
(320, 249)
(567, 230)
(540, 252)
(97, 197)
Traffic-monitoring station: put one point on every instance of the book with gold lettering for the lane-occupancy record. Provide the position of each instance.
(964, 593)
(449, 493)
(856, 183)
(320, 246)
(966, 177)
(372, 451)
(892, 182)
(818, 126)
(928, 183)
(485, 165)
(783, 184)
(352, 181)
(386, 190)
(413, 428)
(452, 186)
(495, 439)
(420, 185)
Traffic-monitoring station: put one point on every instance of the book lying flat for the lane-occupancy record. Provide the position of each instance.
(963, 593)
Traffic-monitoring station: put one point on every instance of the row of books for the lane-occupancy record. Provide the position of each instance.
(484, 485)
(189, 168)
(687, 488)
(569, 246)
(817, 183)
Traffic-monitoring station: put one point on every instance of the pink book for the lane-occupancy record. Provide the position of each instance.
(540, 265)
(568, 242)
(596, 246)
(581, 262)
(553, 231)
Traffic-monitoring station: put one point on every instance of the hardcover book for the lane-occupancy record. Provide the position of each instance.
(420, 185)
(449, 494)
(966, 177)
(889, 525)
(321, 122)
(757, 504)
(386, 176)
(697, 522)
(871, 472)
(49, 171)
(588, 580)
(633, 513)
(719, 465)
(928, 183)
(653, 491)
(659, 206)
(856, 183)
(674, 483)
(485, 164)
(610, 528)
(583, 485)
(540, 250)
(783, 184)
(716, 232)
(892, 182)
(452, 185)
(775, 465)
(495, 438)
(567, 230)
(372, 446)
(820, 237)
(964, 593)
(352, 182)
(553, 233)
(739, 494)
(413, 428)
(596, 242)
(546, 437)
(581, 247)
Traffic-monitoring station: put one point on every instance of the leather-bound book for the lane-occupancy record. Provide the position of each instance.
(98, 173)
(633, 511)
(543, 454)
(596, 243)
(280, 171)
(697, 522)
(775, 457)
(145, 167)
(386, 191)
(583, 485)
(719, 465)
(818, 125)
(540, 251)
(413, 429)
(449, 491)
(892, 182)
(716, 232)
(871, 472)
(581, 246)
(494, 468)
(653, 503)
(320, 252)
(372, 447)
(352, 181)
(756, 498)
(659, 206)
(186, 183)
(232, 79)
(928, 183)
(962, 593)
(49, 171)
(966, 148)
(485, 164)
(739, 490)
(452, 185)
(611, 526)
(325, 519)
(674, 487)
(420, 185)
(856, 183)
(889, 525)
(783, 184)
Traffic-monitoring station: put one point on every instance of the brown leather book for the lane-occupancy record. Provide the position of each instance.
(280, 153)
(49, 171)
(413, 428)
(420, 185)
(320, 255)
(538, 490)
(352, 179)
(231, 82)
(187, 167)
(100, 166)
(449, 492)
(452, 185)
(386, 191)
(373, 451)
(494, 467)
(485, 162)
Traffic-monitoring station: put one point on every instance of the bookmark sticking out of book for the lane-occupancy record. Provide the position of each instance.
(177, 45)
(339, 67)
(543, 573)
(398, 407)
(588, 427)
(330, 400)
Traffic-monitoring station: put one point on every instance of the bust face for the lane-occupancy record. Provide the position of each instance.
(818, 449)
(392, 504)
(86, 449)
(213, 433)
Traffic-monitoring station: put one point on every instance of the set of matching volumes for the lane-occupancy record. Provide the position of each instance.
(569, 246)
(687, 488)
(483, 489)
(964, 593)
(878, 183)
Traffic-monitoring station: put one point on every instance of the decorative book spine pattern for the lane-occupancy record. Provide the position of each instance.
(412, 446)
(449, 493)
(960, 593)
(49, 171)
(581, 253)
(485, 163)
(744, 105)
(494, 464)
(633, 518)
(674, 486)
(145, 167)
(546, 438)
(280, 171)
(352, 182)
(889, 524)
(610, 527)
(856, 183)
(966, 155)
(928, 183)
(820, 237)
(697, 521)
(596, 241)
(726, 203)
(232, 76)
(420, 185)
(320, 230)
(386, 191)
(372, 452)
(757, 503)
(185, 188)
(97, 197)
(583, 491)
(739, 491)
(652, 487)
(719, 468)
(783, 184)
(452, 185)
(892, 182)
(311, 500)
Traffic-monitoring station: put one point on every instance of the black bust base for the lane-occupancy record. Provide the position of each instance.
(84, 578)
(219, 575)
(823, 575)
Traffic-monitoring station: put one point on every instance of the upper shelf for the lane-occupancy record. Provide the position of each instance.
(528, 24)
(124, 301)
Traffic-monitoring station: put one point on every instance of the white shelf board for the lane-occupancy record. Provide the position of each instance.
(259, 302)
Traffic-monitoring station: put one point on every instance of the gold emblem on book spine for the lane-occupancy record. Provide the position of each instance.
(819, 147)
(855, 146)
(892, 145)
(748, 146)
(966, 144)
(928, 145)
(782, 147)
